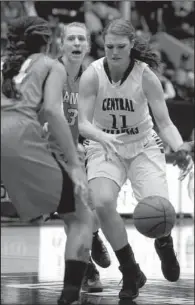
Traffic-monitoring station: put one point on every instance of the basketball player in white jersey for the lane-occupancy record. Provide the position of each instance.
(37, 182)
(114, 95)
(75, 45)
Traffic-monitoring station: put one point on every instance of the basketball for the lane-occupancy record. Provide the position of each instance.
(154, 217)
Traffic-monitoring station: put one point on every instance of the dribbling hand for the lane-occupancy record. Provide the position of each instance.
(45, 130)
(81, 153)
(109, 143)
(184, 162)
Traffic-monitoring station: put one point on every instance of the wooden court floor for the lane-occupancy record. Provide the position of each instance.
(32, 266)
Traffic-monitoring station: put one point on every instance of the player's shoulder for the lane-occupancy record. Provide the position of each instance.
(92, 71)
(138, 70)
(44, 64)
(151, 83)
(98, 62)
(58, 66)
(38, 63)
(98, 65)
(89, 81)
(150, 77)
(89, 77)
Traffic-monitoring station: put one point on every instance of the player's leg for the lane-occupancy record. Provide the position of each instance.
(78, 244)
(147, 174)
(91, 282)
(34, 181)
(99, 252)
(78, 220)
(108, 177)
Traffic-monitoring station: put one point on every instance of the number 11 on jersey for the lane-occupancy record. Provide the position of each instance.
(122, 119)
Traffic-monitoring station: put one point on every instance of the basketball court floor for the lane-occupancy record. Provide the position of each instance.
(32, 267)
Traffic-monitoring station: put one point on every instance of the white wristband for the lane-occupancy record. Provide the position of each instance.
(171, 136)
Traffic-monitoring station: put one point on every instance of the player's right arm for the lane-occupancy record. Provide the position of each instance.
(88, 89)
(54, 114)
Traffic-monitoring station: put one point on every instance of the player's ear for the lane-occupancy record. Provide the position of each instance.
(88, 48)
(132, 43)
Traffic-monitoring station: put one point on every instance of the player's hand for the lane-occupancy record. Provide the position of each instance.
(81, 152)
(109, 142)
(45, 130)
(187, 146)
(79, 178)
(184, 162)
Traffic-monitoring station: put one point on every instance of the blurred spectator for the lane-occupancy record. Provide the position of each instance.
(173, 17)
(93, 23)
(178, 18)
(169, 91)
(168, 88)
(184, 80)
(61, 11)
(3, 37)
(97, 14)
(12, 9)
(149, 17)
(30, 8)
(105, 11)
(150, 13)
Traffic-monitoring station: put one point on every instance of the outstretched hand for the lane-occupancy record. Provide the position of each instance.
(184, 162)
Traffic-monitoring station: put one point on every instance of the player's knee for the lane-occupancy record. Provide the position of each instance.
(82, 217)
(105, 204)
(85, 217)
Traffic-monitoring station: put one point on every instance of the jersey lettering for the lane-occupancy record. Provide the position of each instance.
(70, 98)
(129, 131)
(73, 113)
(110, 104)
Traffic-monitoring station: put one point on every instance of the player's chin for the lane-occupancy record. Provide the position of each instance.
(76, 57)
(116, 62)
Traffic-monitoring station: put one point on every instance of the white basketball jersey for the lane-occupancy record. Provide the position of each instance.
(122, 108)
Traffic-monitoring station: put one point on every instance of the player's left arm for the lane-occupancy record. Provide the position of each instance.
(167, 130)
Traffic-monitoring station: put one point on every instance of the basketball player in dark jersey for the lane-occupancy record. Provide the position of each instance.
(37, 182)
(74, 46)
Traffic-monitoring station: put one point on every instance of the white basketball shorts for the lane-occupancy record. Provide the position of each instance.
(146, 170)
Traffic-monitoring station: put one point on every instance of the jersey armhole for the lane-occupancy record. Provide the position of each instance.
(98, 79)
(146, 66)
(43, 87)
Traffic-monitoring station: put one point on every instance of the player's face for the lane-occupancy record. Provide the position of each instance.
(75, 44)
(117, 49)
